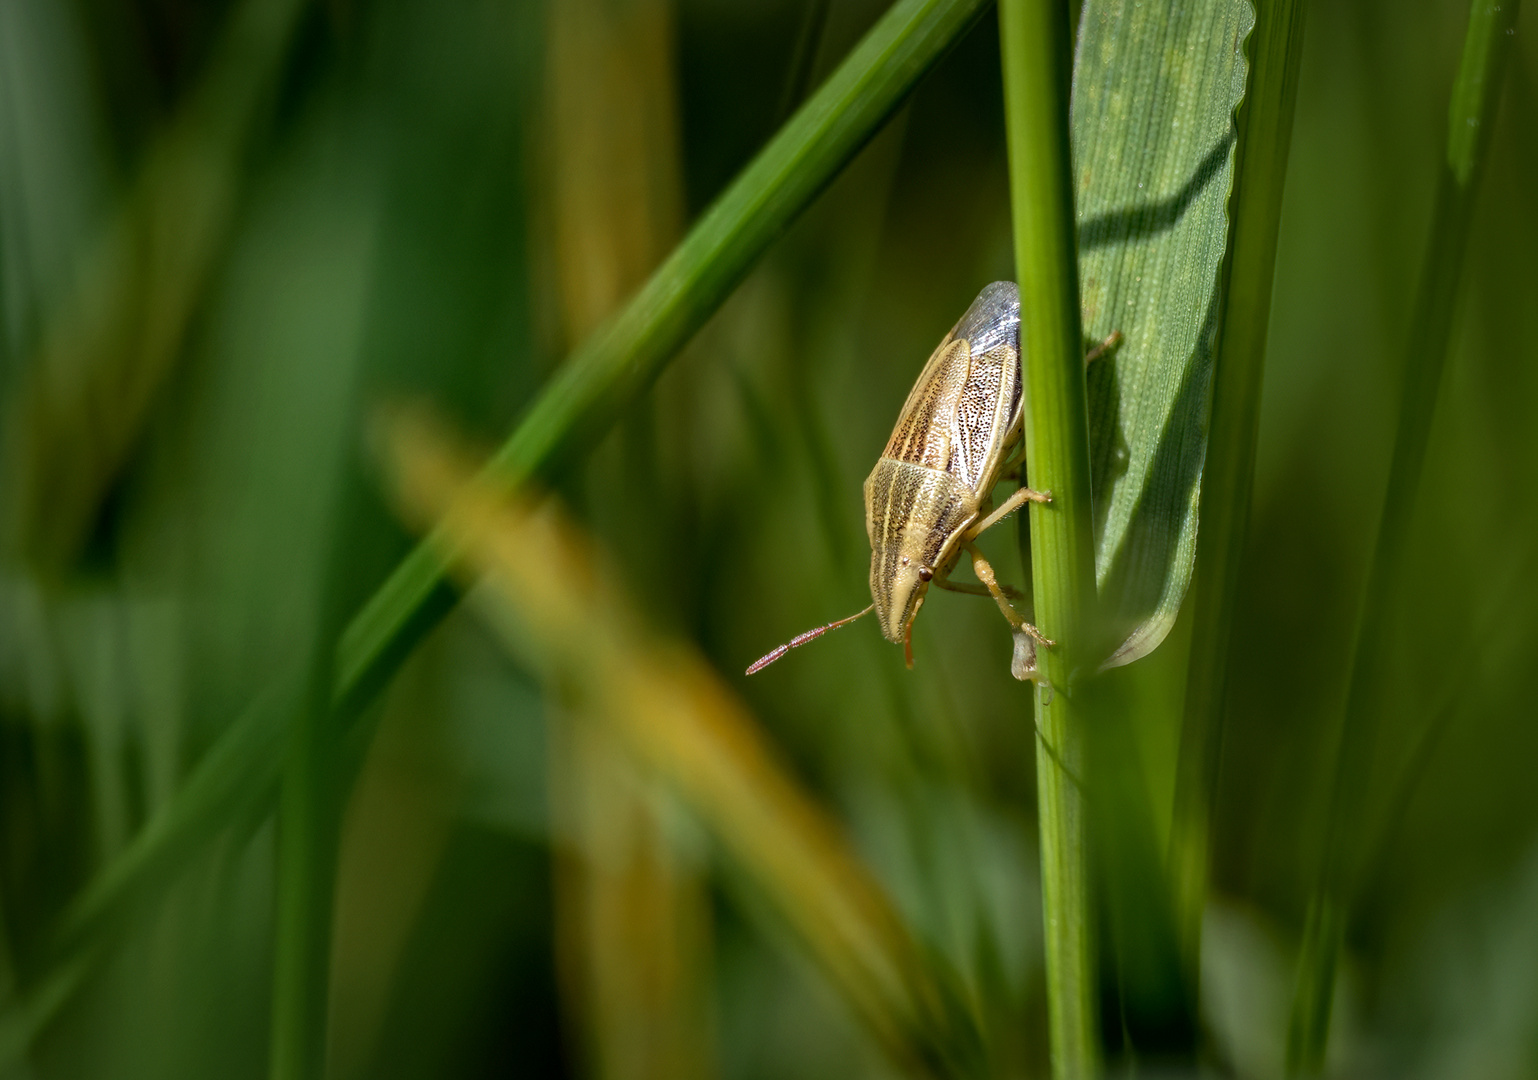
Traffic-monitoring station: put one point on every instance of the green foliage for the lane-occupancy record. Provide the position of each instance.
(624, 356)
(1470, 119)
(273, 217)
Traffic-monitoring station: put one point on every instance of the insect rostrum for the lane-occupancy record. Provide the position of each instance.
(929, 495)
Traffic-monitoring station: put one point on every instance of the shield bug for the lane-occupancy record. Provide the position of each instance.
(930, 494)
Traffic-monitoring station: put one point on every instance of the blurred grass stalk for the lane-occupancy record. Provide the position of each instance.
(632, 911)
(599, 379)
(559, 610)
(1470, 121)
(631, 908)
(107, 349)
(1260, 171)
(621, 359)
(311, 799)
(1037, 52)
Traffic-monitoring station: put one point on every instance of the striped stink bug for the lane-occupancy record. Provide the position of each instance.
(930, 494)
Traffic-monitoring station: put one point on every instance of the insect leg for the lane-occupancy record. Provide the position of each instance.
(984, 571)
(976, 590)
(1007, 507)
(1112, 340)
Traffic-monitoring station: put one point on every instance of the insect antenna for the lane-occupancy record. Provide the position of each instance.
(801, 639)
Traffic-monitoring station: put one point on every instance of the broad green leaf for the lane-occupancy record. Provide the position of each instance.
(1155, 88)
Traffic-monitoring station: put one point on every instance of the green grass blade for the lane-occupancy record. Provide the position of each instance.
(622, 358)
(238, 774)
(21, 1024)
(239, 770)
(1260, 168)
(1036, 47)
(316, 777)
(1471, 115)
(1152, 130)
(610, 369)
(1155, 90)
(53, 165)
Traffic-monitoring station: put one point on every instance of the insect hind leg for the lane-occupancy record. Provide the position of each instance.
(976, 590)
(1096, 351)
(984, 571)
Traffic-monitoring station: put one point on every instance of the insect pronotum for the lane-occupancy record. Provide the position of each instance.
(929, 496)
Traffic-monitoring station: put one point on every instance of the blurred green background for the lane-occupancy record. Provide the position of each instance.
(230, 231)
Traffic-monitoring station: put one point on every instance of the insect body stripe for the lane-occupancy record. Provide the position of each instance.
(925, 432)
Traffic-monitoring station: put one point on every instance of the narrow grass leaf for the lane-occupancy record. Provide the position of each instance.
(21, 1023)
(597, 380)
(240, 770)
(239, 773)
(622, 358)
(53, 166)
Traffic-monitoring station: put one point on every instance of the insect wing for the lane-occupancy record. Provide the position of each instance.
(926, 428)
(988, 410)
(963, 413)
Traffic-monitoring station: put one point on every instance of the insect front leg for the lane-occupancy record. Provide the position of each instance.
(1007, 507)
(984, 571)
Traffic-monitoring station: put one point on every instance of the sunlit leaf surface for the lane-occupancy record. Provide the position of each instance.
(1155, 88)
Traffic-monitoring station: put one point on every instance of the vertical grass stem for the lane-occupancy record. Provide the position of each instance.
(1037, 66)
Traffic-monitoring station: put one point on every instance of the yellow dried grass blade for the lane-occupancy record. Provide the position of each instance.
(557, 608)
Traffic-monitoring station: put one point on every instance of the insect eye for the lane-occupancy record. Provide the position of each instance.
(925, 573)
